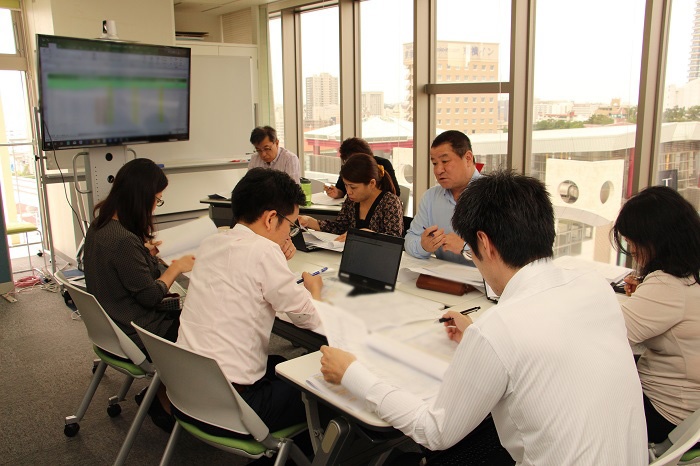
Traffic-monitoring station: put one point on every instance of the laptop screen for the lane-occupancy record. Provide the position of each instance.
(371, 260)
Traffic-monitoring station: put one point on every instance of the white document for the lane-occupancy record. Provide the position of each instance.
(183, 239)
(395, 362)
(450, 271)
(337, 393)
(611, 273)
(380, 311)
(324, 199)
(323, 240)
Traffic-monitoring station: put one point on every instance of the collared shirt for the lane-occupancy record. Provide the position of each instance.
(552, 364)
(285, 161)
(436, 208)
(664, 314)
(239, 281)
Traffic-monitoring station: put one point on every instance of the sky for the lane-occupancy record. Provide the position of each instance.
(584, 51)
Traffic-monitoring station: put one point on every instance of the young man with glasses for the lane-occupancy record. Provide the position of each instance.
(241, 281)
(269, 154)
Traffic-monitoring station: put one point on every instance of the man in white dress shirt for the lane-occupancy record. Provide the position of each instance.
(269, 154)
(241, 280)
(550, 362)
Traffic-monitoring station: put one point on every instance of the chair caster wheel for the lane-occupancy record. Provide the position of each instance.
(114, 410)
(71, 430)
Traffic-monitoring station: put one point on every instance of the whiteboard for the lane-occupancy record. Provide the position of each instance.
(221, 113)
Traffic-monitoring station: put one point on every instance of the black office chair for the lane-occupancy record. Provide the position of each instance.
(406, 224)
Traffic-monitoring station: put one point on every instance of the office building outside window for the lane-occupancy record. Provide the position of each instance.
(320, 66)
(678, 161)
(583, 132)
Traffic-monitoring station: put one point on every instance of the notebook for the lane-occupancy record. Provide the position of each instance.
(370, 261)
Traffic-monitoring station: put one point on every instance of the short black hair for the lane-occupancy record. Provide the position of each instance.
(264, 189)
(132, 197)
(354, 146)
(515, 212)
(261, 132)
(665, 230)
(458, 140)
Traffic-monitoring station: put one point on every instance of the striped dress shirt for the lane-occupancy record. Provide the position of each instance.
(550, 362)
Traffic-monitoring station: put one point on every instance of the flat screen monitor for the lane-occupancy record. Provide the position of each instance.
(96, 93)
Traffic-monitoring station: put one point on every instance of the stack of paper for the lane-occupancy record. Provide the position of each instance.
(324, 199)
(611, 273)
(183, 239)
(323, 240)
(450, 271)
(419, 368)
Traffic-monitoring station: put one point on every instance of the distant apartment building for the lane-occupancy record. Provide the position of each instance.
(615, 110)
(694, 59)
(686, 96)
(372, 104)
(552, 109)
(584, 110)
(460, 62)
(322, 105)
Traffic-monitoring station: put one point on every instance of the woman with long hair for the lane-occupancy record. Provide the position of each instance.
(121, 268)
(661, 231)
(371, 201)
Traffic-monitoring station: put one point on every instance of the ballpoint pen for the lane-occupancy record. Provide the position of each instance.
(442, 320)
(301, 280)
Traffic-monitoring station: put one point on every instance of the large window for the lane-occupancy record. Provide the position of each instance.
(549, 88)
(586, 86)
(275, 47)
(17, 169)
(320, 70)
(473, 49)
(678, 158)
(385, 83)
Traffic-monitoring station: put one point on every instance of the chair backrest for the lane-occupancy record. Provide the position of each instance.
(406, 224)
(405, 194)
(198, 387)
(683, 437)
(102, 330)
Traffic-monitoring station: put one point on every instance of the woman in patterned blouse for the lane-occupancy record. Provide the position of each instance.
(371, 201)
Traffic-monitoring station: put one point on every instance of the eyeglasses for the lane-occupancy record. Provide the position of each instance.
(294, 229)
(159, 202)
(467, 252)
(264, 149)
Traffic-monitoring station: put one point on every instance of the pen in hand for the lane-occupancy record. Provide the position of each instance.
(442, 320)
(301, 280)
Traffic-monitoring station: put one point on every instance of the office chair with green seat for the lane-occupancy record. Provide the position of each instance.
(114, 349)
(679, 447)
(198, 388)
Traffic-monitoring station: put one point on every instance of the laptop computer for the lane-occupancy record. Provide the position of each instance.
(301, 245)
(370, 261)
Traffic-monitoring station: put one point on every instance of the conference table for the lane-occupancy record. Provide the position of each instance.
(343, 434)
